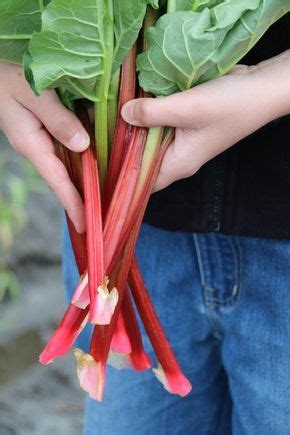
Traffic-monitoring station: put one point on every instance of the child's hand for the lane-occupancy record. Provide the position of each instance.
(214, 116)
(29, 122)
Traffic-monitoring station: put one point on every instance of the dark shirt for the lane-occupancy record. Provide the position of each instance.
(246, 189)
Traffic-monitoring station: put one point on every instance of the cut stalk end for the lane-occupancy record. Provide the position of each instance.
(121, 341)
(102, 310)
(81, 297)
(140, 361)
(64, 337)
(174, 383)
(91, 374)
(119, 361)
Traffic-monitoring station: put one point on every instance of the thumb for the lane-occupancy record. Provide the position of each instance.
(174, 111)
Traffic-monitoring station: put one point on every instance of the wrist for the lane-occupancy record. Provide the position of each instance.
(274, 77)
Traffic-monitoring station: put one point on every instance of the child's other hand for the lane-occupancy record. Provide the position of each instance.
(30, 123)
(214, 116)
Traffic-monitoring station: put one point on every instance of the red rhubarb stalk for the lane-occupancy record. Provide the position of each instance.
(137, 358)
(120, 341)
(63, 338)
(102, 302)
(91, 368)
(78, 242)
(74, 318)
(168, 372)
(123, 194)
(151, 162)
(134, 358)
(81, 296)
(94, 229)
(72, 163)
(126, 93)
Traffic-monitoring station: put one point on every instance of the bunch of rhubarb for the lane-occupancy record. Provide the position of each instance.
(90, 51)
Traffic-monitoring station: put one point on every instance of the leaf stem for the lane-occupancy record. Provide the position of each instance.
(171, 5)
(41, 5)
(101, 134)
(101, 107)
(15, 37)
(113, 105)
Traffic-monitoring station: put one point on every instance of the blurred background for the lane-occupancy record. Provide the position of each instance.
(34, 400)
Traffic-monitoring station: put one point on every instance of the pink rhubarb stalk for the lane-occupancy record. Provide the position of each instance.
(123, 194)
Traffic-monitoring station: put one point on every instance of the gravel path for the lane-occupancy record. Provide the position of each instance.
(36, 400)
(43, 401)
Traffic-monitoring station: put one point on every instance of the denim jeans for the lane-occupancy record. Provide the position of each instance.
(224, 304)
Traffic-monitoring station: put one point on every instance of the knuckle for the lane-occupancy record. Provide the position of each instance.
(57, 184)
(59, 178)
(62, 127)
(144, 111)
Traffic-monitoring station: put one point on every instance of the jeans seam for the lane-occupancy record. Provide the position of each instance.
(239, 268)
(235, 295)
(208, 305)
(199, 260)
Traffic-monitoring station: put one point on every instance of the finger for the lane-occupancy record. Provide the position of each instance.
(178, 110)
(171, 170)
(56, 176)
(31, 140)
(181, 160)
(62, 123)
(166, 174)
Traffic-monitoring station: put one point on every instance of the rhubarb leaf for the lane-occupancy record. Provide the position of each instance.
(188, 48)
(70, 51)
(194, 5)
(128, 19)
(18, 20)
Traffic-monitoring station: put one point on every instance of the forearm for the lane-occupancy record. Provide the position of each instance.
(257, 97)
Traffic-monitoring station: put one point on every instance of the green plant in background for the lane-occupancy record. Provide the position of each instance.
(17, 179)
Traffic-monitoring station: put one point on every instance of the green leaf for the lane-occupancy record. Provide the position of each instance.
(70, 50)
(246, 32)
(195, 5)
(18, 20)
(128, 19)
(229, 12)
(188, 48)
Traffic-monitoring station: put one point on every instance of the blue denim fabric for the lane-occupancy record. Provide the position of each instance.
(224, 303)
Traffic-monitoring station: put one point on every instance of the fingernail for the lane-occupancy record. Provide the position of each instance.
(77, 216)
(127, 112)
(80, 141)
(80, 224)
